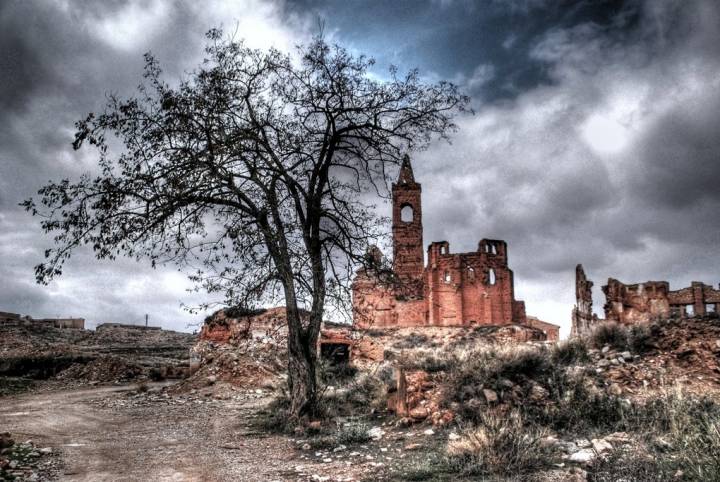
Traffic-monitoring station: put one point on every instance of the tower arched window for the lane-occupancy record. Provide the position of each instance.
(406, 214)
(492, 279)
(447, 277)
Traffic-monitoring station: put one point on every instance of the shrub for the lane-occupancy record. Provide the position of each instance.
(501, 445)
(640, 337)
(430, 361)
(413, 340)
(570, 352)
(629, 466)
(275, 417)
(353, 433)
(336, 374)
(611, 334)
(365, 393)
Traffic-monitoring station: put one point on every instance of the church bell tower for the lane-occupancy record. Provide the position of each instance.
(408, 260)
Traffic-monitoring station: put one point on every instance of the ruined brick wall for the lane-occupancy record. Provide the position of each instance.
(583, 318)
(471, 288)
(475, 288)
(653, 300)
(551, 331)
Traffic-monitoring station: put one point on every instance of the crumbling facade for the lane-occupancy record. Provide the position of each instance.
(653, 300)
(453, 289)
(583, 318)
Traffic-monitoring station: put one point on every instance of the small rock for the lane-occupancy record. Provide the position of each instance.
(306, 447)
(615, 389)
(601, 445)
(376, 433)
(605, 349)
(315, 425)
(6, 440)
(626, 355)
(212, 379)
(548, 442)
(415, 446)
(490, 395)
(419, 413)
(453, 436)
(538, 393)
(583, 443)
(583, 456)
(505, 383)
(429, 432)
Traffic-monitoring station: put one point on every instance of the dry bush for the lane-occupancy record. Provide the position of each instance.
(362, 395)
(570, 352)
(611, 334)
(500, 445)
(472, 371)
(430, 361)
(413, 340)
(640, 337)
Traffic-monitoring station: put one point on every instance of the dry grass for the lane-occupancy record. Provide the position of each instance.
(500, 445)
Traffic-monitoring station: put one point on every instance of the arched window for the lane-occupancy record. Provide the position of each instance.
(470, 273)
(491, 277)
(406, 214)
(447, 277)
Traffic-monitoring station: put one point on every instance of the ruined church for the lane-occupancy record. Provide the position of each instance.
(452, 289)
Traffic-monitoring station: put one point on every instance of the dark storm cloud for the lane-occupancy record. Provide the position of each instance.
(454, 37)
(596, 137)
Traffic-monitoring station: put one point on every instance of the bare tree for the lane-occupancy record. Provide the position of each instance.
(250, 174)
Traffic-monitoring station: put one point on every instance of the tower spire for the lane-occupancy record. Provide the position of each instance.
(406, 172)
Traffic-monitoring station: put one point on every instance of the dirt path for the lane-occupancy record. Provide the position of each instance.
(109, 434)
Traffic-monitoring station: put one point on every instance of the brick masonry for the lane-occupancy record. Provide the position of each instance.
(453, 289)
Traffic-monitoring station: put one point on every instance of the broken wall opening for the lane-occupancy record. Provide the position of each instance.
(336, 353)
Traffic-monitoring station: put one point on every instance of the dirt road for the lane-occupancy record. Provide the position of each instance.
(112, 434)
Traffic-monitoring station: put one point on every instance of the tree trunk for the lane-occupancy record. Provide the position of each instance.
(302, 376)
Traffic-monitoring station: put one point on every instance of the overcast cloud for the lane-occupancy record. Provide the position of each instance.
(596, 136)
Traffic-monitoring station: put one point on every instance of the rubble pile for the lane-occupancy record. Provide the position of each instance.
(102, 369)
(685, 351)
(241, 348)
(82, 356)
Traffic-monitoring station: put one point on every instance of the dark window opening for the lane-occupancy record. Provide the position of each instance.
(337, 353)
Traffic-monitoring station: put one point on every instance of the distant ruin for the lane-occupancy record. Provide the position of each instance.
(17, 319)
(583, 318)
(653, 300)
(630, 304)
(454, 289)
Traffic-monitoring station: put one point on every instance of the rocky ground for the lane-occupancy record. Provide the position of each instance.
(44, 356)
(633, 405)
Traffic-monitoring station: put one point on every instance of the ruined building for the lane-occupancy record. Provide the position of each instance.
(640, 303)
(583, 318)
(453, 289)
(15, 319)
(653, 300)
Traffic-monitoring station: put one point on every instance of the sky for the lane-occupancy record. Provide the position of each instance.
(595, 138)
